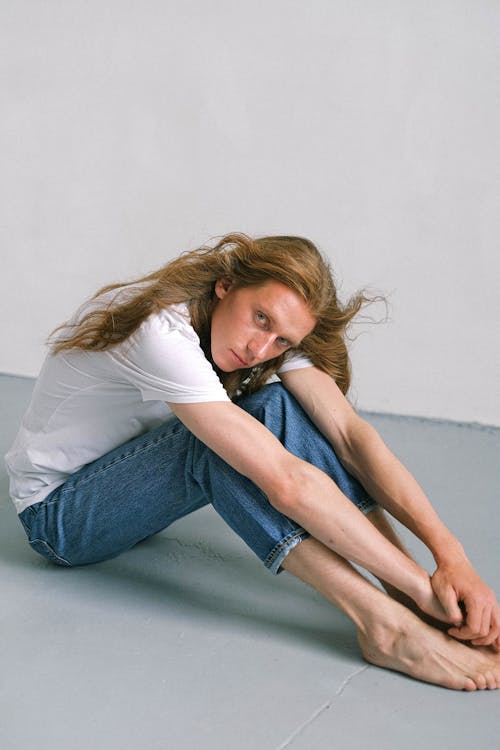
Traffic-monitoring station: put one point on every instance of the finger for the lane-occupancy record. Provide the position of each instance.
(475, 629)
(448, 600)
(495, 619)
(494, 633)
(485, 627)
(463, 633)
(487, 640)
(474, 617)
(491, 639)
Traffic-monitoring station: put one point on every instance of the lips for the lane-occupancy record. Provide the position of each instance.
(240, 360)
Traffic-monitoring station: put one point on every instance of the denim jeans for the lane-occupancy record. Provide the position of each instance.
(143, 486)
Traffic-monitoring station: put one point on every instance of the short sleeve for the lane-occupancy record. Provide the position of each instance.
(165, 361)
(295, 361)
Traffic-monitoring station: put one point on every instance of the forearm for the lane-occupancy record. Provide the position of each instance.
(317, 504)
(454, 580)
(365, 456)
(395, 489)
(302, 492)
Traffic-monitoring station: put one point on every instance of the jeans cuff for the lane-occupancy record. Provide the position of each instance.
(366, 506)
(281, 550)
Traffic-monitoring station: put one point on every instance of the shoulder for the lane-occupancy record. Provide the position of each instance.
(165, 331)
(172, 318)
(164, 356)
(162, 331)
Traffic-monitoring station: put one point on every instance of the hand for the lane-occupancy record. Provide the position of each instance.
(456, 581)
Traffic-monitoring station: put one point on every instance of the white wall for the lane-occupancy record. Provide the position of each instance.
(133, 130)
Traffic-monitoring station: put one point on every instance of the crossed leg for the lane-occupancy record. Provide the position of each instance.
(379, 519)
(389, 633)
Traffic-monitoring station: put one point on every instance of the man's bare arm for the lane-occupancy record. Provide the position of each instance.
(305, 494)
(365, 455)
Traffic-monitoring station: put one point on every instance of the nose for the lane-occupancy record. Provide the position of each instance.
(259, 345)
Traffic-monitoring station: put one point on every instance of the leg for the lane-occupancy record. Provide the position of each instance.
(138, 489)
(142, 487)
(281, 413)
(379, 519)
(113, 503)
(242, 505)
(389, 635)
(381, 522)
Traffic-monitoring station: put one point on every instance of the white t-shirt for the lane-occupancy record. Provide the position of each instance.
(85, 404)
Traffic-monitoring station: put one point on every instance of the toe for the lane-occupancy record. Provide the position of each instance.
(496, 675)
(480, 681)
(491, 682)
(469, 684)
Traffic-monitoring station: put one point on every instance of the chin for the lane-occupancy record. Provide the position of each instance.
(221, 365)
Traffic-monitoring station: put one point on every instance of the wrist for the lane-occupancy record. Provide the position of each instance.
(448, 551)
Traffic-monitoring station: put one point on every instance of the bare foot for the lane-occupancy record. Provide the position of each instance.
(422, 652)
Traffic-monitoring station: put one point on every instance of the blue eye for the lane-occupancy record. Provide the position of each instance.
(261, 317)
(283, 342)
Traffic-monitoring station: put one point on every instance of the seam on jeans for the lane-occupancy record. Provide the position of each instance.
(281, 546)
(36, 507)
(71, 485)
(50, 550)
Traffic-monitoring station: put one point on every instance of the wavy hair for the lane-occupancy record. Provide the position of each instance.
(190, 278)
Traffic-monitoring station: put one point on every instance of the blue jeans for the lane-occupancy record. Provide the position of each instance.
(143, 486)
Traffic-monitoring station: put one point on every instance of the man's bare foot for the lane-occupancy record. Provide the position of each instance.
(390, 635)
(414, 648)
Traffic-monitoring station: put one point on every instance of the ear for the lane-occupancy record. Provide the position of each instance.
(222, 286)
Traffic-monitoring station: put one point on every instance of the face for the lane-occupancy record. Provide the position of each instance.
(253, 324)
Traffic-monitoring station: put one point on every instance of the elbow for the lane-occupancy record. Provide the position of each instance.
(290, 487)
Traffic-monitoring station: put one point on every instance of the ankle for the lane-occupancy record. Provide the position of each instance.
(386, 641)
(388, 626)
(377, 641)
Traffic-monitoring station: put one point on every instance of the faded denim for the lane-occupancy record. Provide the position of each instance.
(145, 485)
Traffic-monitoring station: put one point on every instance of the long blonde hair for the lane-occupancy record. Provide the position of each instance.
(294, 261)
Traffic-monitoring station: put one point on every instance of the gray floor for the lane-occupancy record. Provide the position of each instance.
(186, 642)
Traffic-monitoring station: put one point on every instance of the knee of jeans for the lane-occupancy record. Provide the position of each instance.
(271, 399)
(281, 413)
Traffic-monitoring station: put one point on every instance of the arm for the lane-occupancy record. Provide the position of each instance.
(304, 493)
(365, 456)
